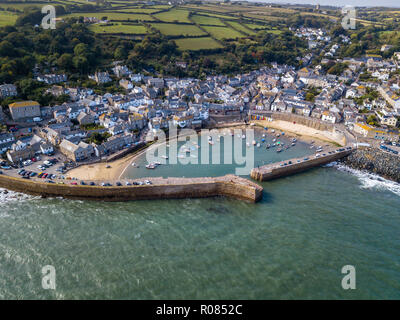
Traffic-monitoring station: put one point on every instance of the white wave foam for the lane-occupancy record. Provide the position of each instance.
(371, 181)
(7, 196)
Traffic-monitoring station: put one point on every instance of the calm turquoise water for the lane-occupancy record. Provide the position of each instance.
(291, 245)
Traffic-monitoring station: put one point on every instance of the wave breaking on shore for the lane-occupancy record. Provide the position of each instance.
(370, 180)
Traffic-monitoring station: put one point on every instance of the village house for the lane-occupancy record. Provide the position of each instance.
(7, 90)
(76, 152)
(24, 110)
(6, 141)
(52, 78)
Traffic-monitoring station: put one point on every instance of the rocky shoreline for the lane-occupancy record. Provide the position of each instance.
(375, 161)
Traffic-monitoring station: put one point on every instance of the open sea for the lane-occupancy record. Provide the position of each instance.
(291, 245)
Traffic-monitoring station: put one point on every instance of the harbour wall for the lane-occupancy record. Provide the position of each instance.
(274, 171)
(229, 186)
(375, 161)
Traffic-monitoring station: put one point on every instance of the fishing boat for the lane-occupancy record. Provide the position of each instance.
(263, 135)
(211, 142)
(272, 130)
(294, 140)
(262, 140)
(278, 135)
(273, 140)
(282, 133)
(278, 150)
(268, 146)
(293, 144)
(254, 142)
(150, 166)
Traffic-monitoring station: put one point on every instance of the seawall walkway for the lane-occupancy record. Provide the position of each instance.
(292, 166)
(169, 188)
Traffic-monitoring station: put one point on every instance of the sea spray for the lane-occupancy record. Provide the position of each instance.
(370, 180)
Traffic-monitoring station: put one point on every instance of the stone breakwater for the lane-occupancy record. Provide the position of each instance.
(375, 161)
(292, 166)
(170, 188)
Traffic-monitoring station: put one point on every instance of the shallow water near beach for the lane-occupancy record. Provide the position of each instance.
(291, 245)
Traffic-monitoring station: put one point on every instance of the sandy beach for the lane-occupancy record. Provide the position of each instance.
(104, 170)
(303, 132)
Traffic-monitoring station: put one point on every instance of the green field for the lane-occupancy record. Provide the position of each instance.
(255, 26)
(215, 15)
(197, 43)
(173, 15)
(21, 6)
(7, 18)
(205, 20)
(113, 16)
(223, 32)
(138, 10)
(240, 27)
(170, 29)
(118, 28)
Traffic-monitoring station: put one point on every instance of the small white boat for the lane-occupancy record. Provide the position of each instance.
(164, 157)
(181, 156)
(272, 130)
(167, 145)
(258, 145)
(150, 166)
(263, 135)
(211, 142)
(248, 144)
(157, 163)
(311, 147)
(254, 142)
(273, 140)
(243, 137)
